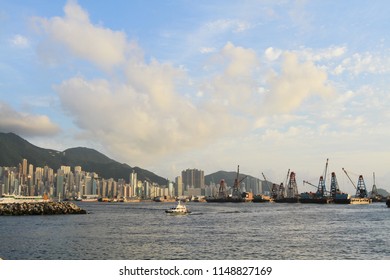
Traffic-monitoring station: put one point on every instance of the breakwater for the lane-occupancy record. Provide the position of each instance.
(40, 208)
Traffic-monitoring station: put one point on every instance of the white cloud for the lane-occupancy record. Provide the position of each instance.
(296, 83)
(367, 62)
(227, 25)
(74, 31)
(20, 41)
(272, 54)
(25, 124)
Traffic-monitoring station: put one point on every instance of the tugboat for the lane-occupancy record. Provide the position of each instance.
(180, 209)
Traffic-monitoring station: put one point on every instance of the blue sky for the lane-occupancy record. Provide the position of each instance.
(171, 85)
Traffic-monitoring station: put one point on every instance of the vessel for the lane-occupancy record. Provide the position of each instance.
(180, 209)
(319, 196)
(310, 197)
(12, 198)
(261, 198)
(361, 196)
(360, 200)
(236, 196)
(291, 194)
(388, 202)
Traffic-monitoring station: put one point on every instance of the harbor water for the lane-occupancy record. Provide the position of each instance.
(143, 231)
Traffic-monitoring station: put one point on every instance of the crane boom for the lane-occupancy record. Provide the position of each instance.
(265, 179)
(349, 178)
(306, 182)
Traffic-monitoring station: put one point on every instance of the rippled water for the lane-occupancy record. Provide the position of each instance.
(120, 231)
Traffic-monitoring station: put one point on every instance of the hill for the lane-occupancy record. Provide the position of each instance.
(230, 176)
(13, 149)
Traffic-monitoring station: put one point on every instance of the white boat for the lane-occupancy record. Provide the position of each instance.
(180, 209)
(12, 198)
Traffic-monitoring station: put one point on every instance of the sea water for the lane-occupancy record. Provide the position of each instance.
(143, 231)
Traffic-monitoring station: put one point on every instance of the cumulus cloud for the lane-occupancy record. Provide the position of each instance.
(146, 109)
(296, 83)
(25, 124)
(80, 37)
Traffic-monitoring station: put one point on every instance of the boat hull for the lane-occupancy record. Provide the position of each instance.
(224, 200)
(360, 200)
(317, 200)
(287, 200)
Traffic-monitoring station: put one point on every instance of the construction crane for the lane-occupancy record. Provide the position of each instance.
(361, 190)
(268, 182)
(306, 182)
(236, 186)
(345, 171)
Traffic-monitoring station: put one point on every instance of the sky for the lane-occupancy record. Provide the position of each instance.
(170, 85)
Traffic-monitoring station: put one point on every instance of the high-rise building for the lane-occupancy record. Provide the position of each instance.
(192, 178)
(24, 167)
(178, 186)
(133, 183)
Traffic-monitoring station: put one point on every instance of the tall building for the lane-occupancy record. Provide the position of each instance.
(192, 178)
(24, 167)
(178, 186)
(133, 183)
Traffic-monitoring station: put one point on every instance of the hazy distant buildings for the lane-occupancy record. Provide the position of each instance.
(192, 178)
(178, 186)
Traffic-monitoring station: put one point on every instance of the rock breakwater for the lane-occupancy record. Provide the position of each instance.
(40, 208)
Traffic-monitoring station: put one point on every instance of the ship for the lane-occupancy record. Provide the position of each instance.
(261, 198)
(179, 209)
(289, 195)
(319, 196)
(236, 196)
(361, 196)
(310, 197)
(13, 198)
(258, 198)
(338, 196)
(388, 202)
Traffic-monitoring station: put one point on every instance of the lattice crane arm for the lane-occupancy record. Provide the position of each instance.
(345, 171)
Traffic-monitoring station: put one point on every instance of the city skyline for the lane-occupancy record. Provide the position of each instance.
(267, 85)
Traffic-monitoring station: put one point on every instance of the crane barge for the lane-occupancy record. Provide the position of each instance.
(361, 196)
(320, 196)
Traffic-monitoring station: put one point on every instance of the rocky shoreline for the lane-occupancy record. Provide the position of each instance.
(40, 208)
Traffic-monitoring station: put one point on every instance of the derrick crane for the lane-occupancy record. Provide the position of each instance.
(292, 188)
(265, 179)
(334, 186)
(306, 182)
(321, 188)
(236, 186)
(374, 191)
(281, 193)
(361, 190)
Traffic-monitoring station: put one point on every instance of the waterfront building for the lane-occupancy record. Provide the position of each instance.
(133, 183)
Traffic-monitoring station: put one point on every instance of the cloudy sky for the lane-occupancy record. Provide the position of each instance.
(171, 85)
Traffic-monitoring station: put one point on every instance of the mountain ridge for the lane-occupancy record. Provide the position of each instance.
(14, 149)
